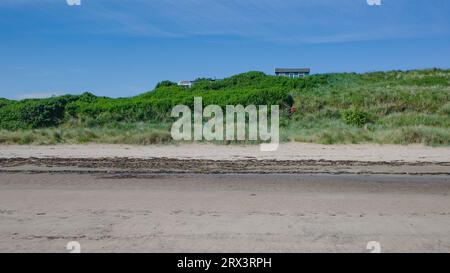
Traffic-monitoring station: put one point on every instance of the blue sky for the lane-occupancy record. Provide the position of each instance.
(122, 48)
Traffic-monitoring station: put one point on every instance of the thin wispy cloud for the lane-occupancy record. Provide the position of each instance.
(38, 95)
(294, 21)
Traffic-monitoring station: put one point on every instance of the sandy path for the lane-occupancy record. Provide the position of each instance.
(286, 151)
(224, 213)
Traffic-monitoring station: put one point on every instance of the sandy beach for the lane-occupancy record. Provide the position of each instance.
(209, 198)
(223, 213)
(286, 151)
(209, 158)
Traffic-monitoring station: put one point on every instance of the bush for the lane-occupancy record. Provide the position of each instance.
(87, 97)
(165, 84)
(331, 108)
(156, 106)
(4, 102)
(34, 113)
(355, 117)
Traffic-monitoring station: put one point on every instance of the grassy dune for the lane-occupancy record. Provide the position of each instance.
(398, 107)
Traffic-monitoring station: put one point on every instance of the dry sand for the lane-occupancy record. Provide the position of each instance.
(286, 151)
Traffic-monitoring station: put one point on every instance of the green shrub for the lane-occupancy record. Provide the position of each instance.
(355, 117)
(164, 84)
(34, 113)
(4, 102)
(385, 107)
(87, 97)
(248, 88)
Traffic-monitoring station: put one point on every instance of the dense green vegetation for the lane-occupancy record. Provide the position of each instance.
(384, 107)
